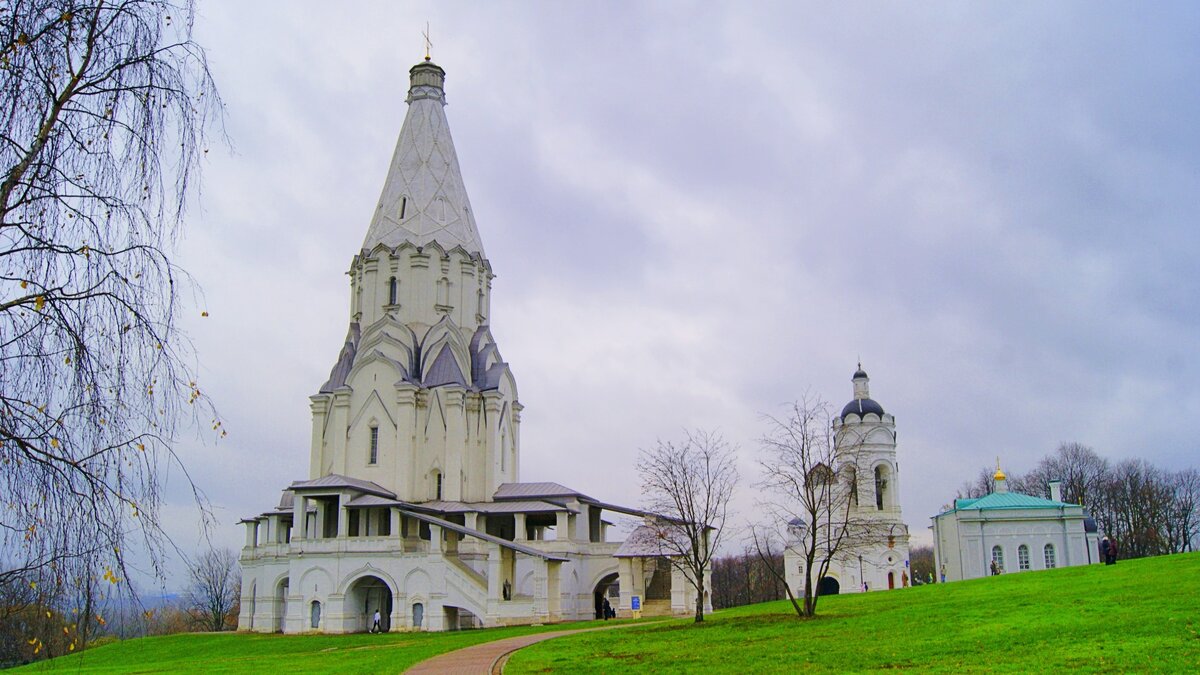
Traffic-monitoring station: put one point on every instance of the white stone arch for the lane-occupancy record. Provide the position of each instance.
(879, 436)
(604, 572)
(307, 579)
(418, 589)
(888, 477)
(525, 585)
(367, 570)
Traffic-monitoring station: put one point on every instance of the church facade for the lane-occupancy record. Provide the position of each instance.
(1006, 532)
(412, 505)
(875, 556)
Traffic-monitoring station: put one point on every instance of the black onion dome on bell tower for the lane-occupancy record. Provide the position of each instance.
(862, 406)
(862, 403)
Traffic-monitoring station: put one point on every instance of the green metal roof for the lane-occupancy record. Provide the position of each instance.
(1007, 500)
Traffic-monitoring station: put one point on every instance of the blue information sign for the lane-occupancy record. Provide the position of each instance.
(636, 603)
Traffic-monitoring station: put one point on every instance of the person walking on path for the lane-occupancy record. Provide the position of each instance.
(375, 627)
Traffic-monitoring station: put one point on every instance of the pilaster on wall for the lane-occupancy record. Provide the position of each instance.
(452, 480)
(493, 403)
(406, 474)
(319, 405)
(338, 428)
(515, 476)
(541, 599)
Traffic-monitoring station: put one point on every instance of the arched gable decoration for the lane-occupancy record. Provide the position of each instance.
(377, 356)
(444, 370)
(372, 398)
(444, 332)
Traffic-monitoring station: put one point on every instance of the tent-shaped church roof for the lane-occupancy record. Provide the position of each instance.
(424, 198)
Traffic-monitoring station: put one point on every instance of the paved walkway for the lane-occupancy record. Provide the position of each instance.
(489, 657)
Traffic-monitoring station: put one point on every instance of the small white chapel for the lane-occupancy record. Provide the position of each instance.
(865, 448)
(412, 505)
(1017, 532)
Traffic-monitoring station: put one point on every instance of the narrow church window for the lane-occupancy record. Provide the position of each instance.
(403, 206)
(1049, 554)
(443, 291)
(438, 478)
(853, 474)
(374, 456)
(998, 557)
(880, 486)
(392, 287)
(1023, 557)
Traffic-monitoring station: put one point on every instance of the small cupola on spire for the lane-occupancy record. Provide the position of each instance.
(860, 380)
(861, 404)
(1000, 479)
(426, 80)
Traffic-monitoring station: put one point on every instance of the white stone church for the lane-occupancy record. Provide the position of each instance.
(413, 504)
(865, 448)
(1013, 532)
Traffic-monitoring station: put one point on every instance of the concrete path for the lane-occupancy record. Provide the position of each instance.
(489, 657)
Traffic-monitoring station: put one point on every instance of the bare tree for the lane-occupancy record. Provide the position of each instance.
(214, 589)
(689, 485)
(104, 106)
(745, 578)
(1183, 524)
(1079, 468)
(811, 477)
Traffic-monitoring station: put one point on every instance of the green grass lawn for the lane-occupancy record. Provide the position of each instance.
(1140, 615)
(257, 653)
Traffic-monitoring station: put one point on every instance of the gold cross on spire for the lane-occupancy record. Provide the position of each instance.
(428, 42)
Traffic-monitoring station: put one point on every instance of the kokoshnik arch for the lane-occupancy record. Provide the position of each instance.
(413, 504)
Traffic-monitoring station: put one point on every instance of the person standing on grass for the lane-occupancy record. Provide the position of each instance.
(1105, 548)
(943, 573)
(995, 568)
(375, 627)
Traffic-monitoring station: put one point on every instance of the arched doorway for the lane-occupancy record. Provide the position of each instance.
(281, 593)
(315, 615)
(828, 586)
(891, 580)
(418, 614)
(366, 596)
(609, 587)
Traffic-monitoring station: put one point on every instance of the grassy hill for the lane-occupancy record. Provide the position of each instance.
(1141, 615)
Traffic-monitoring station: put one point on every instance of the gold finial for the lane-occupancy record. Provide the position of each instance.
(428, 42)
(999, 475)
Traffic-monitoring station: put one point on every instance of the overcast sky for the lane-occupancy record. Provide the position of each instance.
(697, 212)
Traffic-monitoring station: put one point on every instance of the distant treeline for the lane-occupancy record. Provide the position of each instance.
(745, 578)
(1148, 510)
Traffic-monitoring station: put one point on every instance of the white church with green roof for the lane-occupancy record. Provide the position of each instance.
(412, 505)
(1017, 532)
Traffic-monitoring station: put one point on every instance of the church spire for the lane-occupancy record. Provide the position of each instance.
(424, 198)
